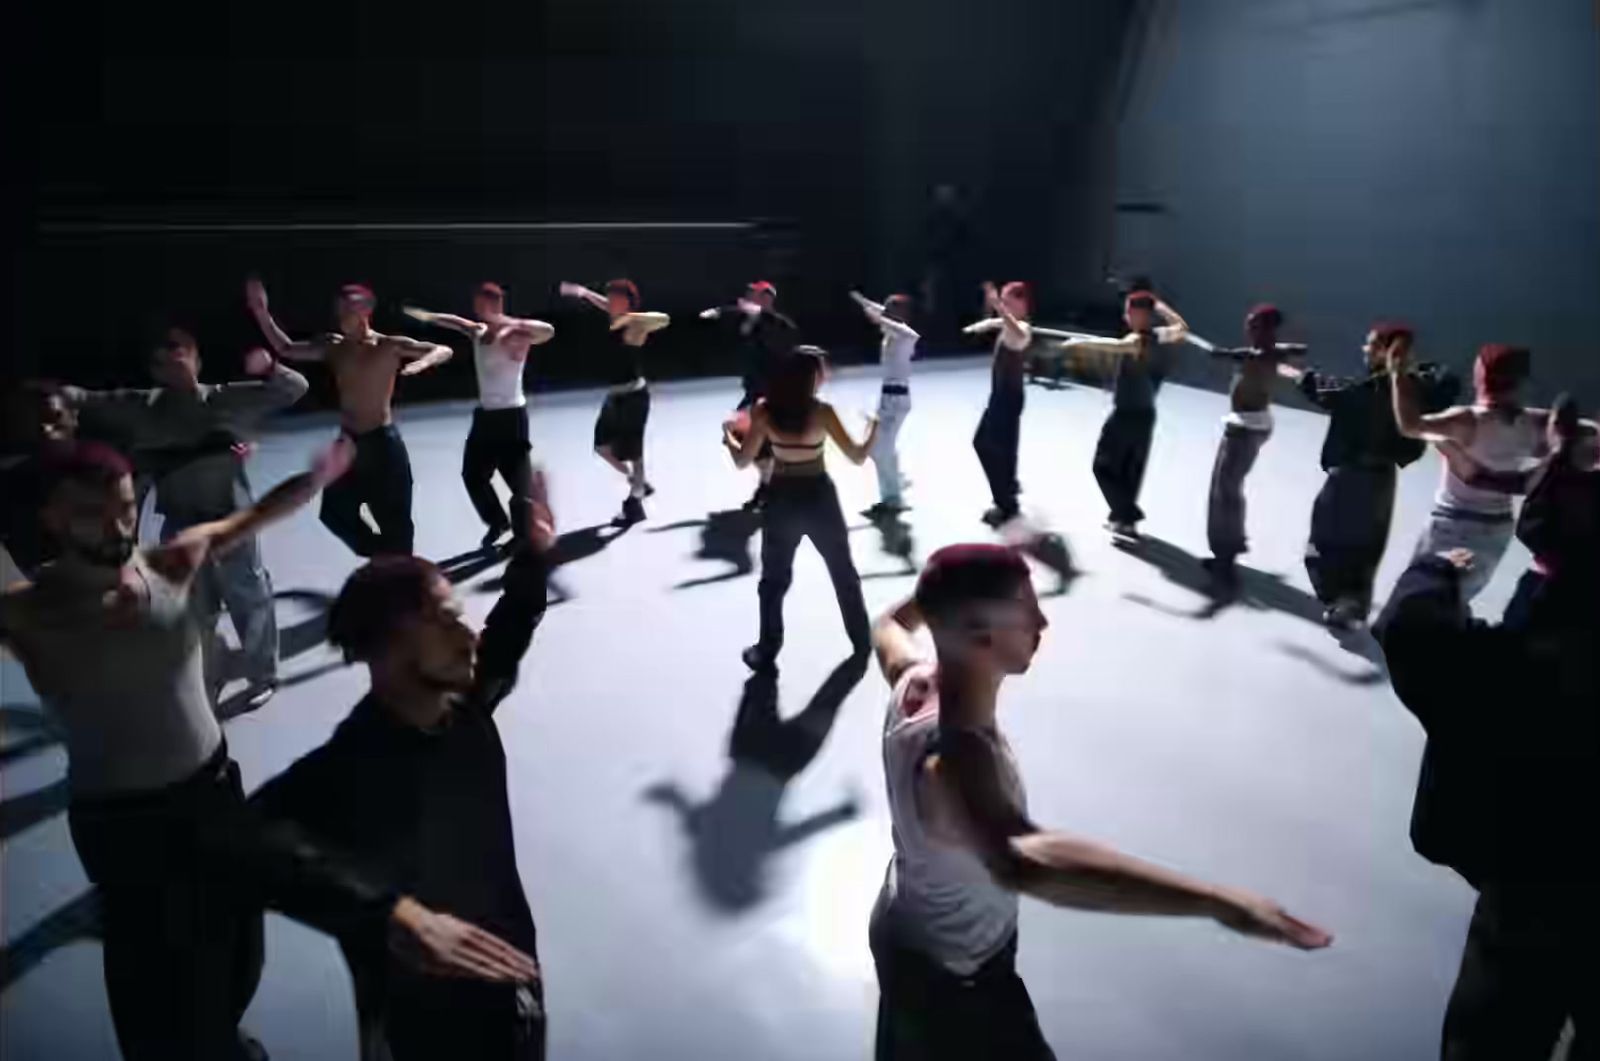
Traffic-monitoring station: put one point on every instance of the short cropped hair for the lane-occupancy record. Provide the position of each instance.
(1386, 332)
(1504, 366)
(1139, 300)
(91, 464)
(901, 304)
(361, 291)
(762, 287)
(382, 594)
(1264, 313)
(627, 289)
(959, 575)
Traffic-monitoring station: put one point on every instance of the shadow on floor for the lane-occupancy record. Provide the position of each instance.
(724, 536)
(29, 809)
(463, 566)
(569, 548)
(77, 920)
(734, 832)
(27, 730)
(894, 540)
(1050, 550)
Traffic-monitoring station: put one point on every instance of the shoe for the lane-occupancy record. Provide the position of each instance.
(493, 535)
(757, 499)
(996, 516)
(883, 509)
(1123, 531)
(257, 693)
(756, 658)
(649, 489)
(1224, 572)
(1344, 616)
(632, 512)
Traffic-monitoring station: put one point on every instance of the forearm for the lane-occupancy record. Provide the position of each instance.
(244, 402)
(1172, 318)
(1406, 416)
(276, 337)
(1071, 872)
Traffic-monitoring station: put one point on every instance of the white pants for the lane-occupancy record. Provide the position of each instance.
(1487, 541)
(892, 410)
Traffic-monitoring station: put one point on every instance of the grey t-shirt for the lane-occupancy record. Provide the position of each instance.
(1139, 376)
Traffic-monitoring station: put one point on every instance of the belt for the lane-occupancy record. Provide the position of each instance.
(897, 388)
(1467, 515)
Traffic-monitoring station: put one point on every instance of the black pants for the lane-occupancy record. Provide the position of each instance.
(806, 506)
(1527, 967)
(1349, 532)
(996, 440)
(620, 425)
(183, 944)
(380, 478)
(1120, 459)
(498, 442)
(927, 1013)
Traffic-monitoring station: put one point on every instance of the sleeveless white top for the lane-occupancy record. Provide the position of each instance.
(499, 376)
(126, 683)
(899, 347)
(940, 898)
(1501, 445)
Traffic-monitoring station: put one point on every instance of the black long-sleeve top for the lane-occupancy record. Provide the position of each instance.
(1511, 770)
(1361, 428)
(761, 342)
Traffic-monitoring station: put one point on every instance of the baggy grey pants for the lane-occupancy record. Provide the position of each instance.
(1236, 455)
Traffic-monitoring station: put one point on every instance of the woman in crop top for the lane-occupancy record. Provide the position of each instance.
(801, 499)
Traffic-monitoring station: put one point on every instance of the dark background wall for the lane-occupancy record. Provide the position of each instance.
(821, 127)
(1437, 160)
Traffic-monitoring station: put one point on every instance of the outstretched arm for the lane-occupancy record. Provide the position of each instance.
(968, 801)
(255, 298)
(855, 452)
(476, 329)
(641, 324)
(594, 298)
(534, 332)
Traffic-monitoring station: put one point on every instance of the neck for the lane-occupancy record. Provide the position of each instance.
(968, 695)
(408, 701)
(359, 332)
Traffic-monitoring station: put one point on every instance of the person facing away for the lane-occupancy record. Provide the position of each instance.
(894, 401)
(412, 785)
(944, 929)
(1360, 453)
(801, 499)
(156, 810)
(192, 438)
(1245, 430)
(364, 365)
(1143, 359)
(1511, 769)
(999, 432)
(498, 439)
(1499, 433)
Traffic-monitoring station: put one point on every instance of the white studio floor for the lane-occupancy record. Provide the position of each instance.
(1246, 746)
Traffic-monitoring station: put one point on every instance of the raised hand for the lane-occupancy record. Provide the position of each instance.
(442, 945)
(991, 295)
(710, 314)
(257, 361)
(255, 296)
(1460, 559)
(570, 290)
(1254, 915)
(1397, 353)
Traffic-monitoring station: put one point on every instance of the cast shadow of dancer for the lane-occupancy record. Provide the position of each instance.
(895, 540)
(1255, 589)
(734, 832)
(1049, 550)
(77, 921)
(724, 536)
(32, 728)
(570, 547)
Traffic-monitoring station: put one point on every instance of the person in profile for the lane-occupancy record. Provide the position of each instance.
(944, 930)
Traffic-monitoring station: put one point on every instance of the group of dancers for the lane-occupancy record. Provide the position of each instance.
(395, 835)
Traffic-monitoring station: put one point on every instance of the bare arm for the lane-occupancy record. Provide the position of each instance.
(476, 329)
(641, 323)
(255, 297)
(855, 452)
(744, 453)
(966, 792)
(1016, 330)
(894, 640)
(594, 298)
(417, 356)
(875, 314)
(536, 332)
(1176, 328)
(983, 327)
(1125, 345)
(1456, 424)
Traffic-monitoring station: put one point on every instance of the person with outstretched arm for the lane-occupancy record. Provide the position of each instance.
(108, 638)
(412, 785)
(999, 432)
(364, 365)
(944, 930)
(498, 439)
(894, 401)
(1143, 359)
(764, 337)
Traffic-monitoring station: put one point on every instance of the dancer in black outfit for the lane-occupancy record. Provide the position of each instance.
(413, 785)
(1000, 429)
(801, 499)
(764, 337)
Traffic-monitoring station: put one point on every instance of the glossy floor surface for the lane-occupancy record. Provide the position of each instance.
(698, 906)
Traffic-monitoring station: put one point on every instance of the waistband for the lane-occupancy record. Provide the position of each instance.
(1467, 515)
(896, 388)
(632, 386)
(811, 469)
(1250, 419)
(500, 410)
(374, 432)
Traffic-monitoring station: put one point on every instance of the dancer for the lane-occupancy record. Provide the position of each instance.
(43, 422)
(1000, 428)
(619, 429)
(764, 337)
(1363, 449)
(364, 365)
(801, 500)
(1508, 772)
(1245, 430)
(498, 439)
(1498, 433)
(413, 784)
(191, 438)
(944, 929)
(1142, 365)
(894, 402)
(156, 812)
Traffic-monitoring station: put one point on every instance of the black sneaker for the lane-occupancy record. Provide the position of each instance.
(757, 659)
(1123, 531)
(757, 499)
(632, 512)
(649, 490)
(493, 535)
(996, 516)
(257, 693)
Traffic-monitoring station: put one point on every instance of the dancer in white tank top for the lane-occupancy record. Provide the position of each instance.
(498, 440)
(894, 403)
(1500, 436)
(944, 930)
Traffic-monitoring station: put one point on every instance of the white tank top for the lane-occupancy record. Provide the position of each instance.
(1499, 444)
(499, 377)
(940, 898)
(899, 347)
(126, 684)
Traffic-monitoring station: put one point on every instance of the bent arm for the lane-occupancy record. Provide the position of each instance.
(418, 356)
(1455, 425)
(894, 640)
(245, 401)
(855, 452)
(744, 453)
